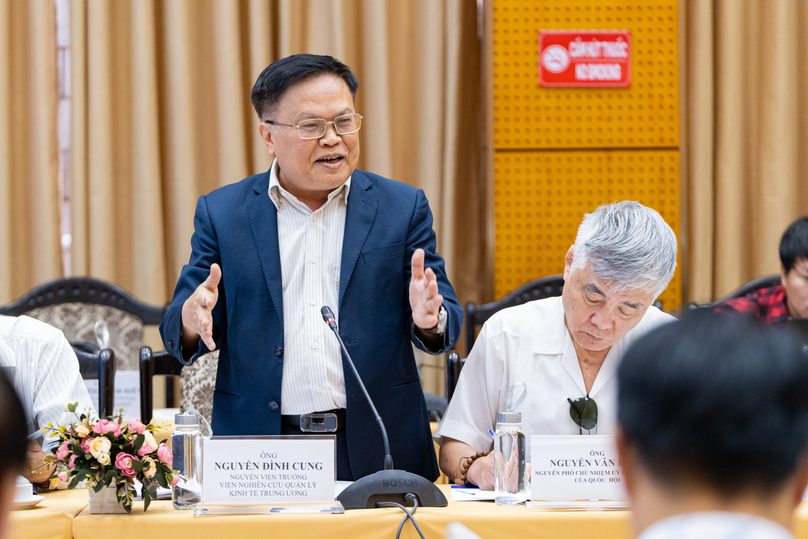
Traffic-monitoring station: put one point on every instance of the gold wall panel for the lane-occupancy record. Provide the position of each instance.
(541, 197)
(527, 116)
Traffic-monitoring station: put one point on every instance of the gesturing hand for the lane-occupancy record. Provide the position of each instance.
(424, 298)
(197, 318)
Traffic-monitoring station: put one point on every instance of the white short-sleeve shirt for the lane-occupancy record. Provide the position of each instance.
(530, 343)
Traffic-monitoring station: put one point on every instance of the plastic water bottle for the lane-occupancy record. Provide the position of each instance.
(509, 460)
(186, 445)
(510, 486)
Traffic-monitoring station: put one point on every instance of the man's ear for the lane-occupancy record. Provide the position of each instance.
(782, 275)
(802, 480)
(628, 459)
(266, 135)
(568, 262)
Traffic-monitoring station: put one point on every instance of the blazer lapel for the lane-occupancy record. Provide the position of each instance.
(264, 225)
(362, 206)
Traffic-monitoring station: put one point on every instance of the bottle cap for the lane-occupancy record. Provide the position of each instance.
(510, 417)
(186, 419)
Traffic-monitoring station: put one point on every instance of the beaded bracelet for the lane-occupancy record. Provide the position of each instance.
(465, 464)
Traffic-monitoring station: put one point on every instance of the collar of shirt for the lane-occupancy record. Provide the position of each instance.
(552, 342)
(277, 193)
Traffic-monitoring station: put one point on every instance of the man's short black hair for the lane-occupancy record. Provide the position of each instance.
(794, 243)
(13, 431)
(282, 74)
(717, 401)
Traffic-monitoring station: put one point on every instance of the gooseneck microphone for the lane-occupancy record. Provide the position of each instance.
(386, 485)
(328, 316)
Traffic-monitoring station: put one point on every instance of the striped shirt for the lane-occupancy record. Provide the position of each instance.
(310, 244)
(41, 364)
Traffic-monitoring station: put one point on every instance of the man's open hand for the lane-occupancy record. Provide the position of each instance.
(197, 317)
(424, 298)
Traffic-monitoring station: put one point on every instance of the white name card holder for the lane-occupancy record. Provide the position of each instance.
(576, 472)
(268, 475)
(127, 394)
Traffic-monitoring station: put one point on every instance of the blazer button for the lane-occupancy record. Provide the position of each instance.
(171, 344)
(278, 351)
(273, 405)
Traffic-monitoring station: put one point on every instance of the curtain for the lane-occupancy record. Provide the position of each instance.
(29, 199)
(746, 145)
(161, 115)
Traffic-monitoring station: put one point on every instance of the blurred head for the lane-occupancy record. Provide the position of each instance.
(794, 267)
(13, 434)
(623, 258)
(715, 404)
(299, 88)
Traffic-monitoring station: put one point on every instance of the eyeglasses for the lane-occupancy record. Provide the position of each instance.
(315, 127)
(584, 412)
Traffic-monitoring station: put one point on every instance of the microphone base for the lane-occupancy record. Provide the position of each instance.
(391, 486)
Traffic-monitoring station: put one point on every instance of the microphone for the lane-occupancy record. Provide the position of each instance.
(388, 485)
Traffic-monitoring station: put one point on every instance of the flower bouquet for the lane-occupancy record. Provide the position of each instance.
(107, 451)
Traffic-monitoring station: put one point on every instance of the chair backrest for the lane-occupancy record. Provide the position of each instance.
(197, 384)
(152, 363)
(75, 304)
(454, 364)
(99, 366)
(747, 289)
(476, 315)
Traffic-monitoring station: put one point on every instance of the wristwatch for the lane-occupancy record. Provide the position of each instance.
(440, 328)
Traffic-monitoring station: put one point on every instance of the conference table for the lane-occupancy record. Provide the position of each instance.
(65, 514)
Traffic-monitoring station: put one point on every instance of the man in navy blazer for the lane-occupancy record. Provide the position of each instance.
(268, 252)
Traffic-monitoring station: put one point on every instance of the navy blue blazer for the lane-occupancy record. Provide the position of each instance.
(236, 227)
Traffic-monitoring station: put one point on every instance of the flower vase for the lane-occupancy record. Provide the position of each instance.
(105, 501)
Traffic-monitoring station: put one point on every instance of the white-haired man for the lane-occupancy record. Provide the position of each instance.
(566, 349)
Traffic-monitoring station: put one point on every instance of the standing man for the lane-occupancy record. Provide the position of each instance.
(713, 429)
(271, 250)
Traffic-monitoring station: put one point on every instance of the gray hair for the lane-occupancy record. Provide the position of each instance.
(627, 245)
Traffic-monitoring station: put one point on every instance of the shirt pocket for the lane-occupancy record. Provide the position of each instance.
(388, 251)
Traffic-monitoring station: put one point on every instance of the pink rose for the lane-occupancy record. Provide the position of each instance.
(124, 463)
(72, 463)
(135, 425)
(174, 480)
(105, 425)
(149, 445)
(164, 454)
(63, 451)
(62, 476)
(85, 444)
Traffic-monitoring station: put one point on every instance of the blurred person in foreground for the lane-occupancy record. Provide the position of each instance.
(789, 299)
(41, 364)
(270, 251)
(713, 429)
(13, 453)
(565, 349)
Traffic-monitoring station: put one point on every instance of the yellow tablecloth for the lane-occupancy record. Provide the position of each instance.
(484, 518)
(65, 510)
(51, 519)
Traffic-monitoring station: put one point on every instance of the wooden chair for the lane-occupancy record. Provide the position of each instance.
(197, 381)
(150, 364)
(99, 366)
(75, 304)
(476, 315)
(747, 289)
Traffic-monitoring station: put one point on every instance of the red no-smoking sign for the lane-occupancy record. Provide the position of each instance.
(585, 58)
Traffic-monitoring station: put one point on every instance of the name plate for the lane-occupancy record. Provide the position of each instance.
(575, 468)
(269, 469)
